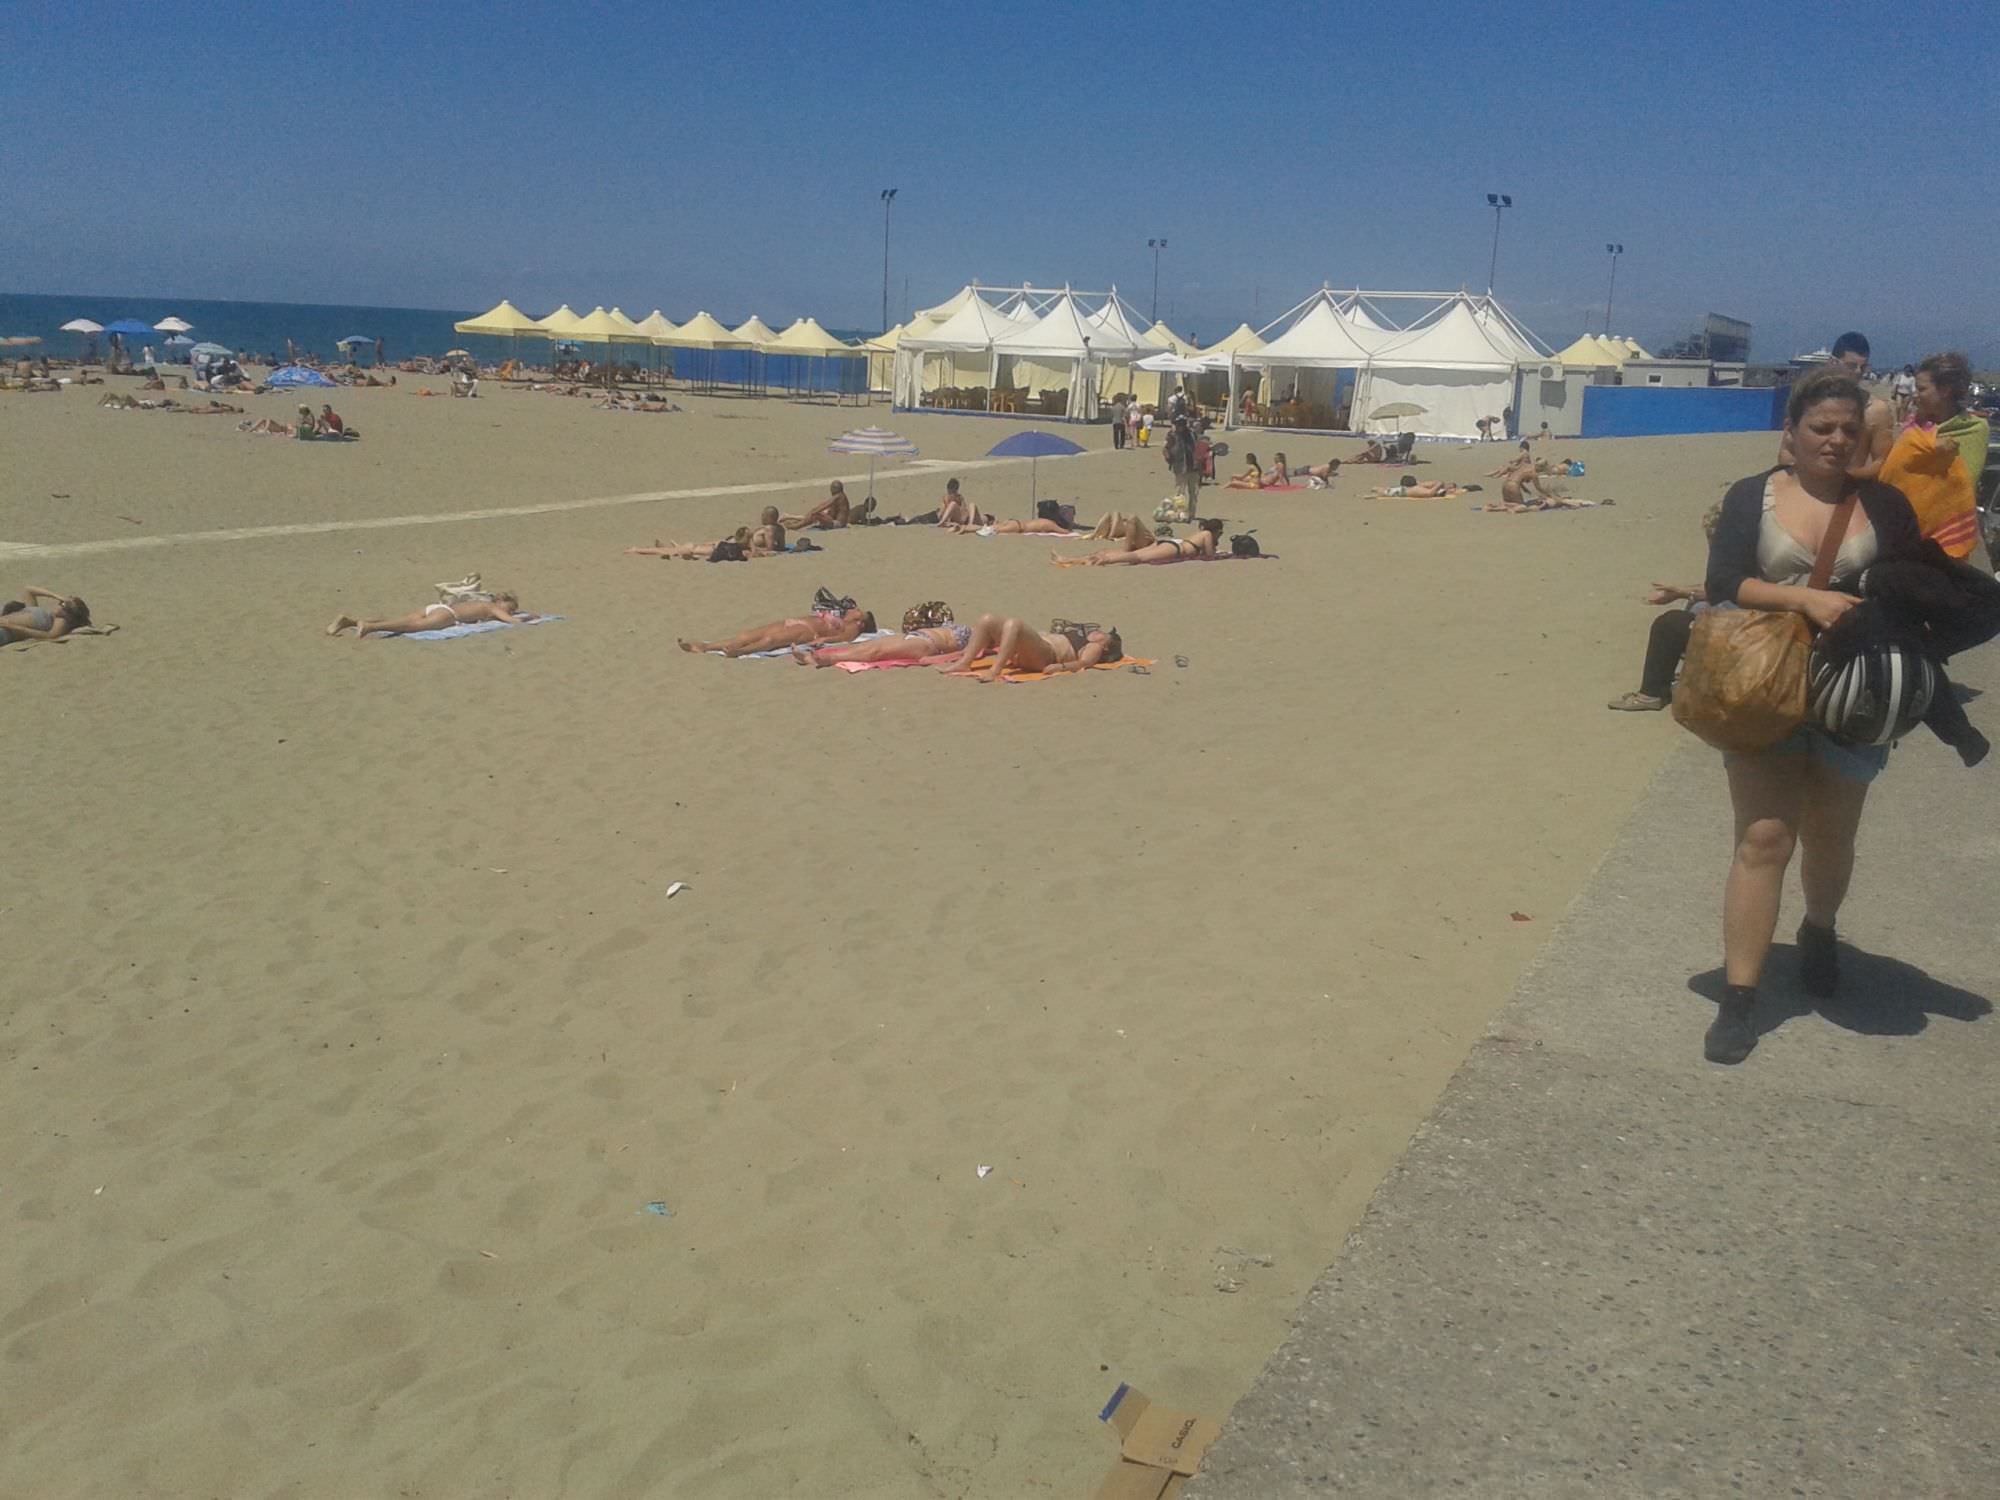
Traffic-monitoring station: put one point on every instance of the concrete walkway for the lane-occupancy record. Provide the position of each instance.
(1608, 1268)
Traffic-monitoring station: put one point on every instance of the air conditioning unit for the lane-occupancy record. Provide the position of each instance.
(1552, 372)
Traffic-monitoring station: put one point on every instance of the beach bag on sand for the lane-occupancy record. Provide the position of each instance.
(1743, 681)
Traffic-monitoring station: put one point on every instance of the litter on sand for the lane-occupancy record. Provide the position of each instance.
(983, 1172)
(676, 888)
(658, 1210)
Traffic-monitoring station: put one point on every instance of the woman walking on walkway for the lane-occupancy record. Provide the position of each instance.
(1806, 791)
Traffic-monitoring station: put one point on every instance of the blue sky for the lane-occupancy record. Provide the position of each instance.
(1808, 168)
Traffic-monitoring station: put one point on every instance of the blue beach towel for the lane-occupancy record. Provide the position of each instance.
(453, 632)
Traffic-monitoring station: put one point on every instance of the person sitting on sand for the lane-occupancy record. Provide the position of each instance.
(831, 514)
(1200, 546)
(331, 425)
(1013, 643)
(503, 607)
(1252, 477)
(1116, 526)
(821, 627)
(1280, 475)
(1408, 488)
(34, 620)
(1374, 453)
(153, 382)
(955, 510)
(306, 428)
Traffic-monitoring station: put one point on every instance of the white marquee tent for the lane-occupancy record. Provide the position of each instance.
(1019, 338)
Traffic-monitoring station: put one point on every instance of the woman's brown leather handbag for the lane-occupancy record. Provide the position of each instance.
(1743, 681)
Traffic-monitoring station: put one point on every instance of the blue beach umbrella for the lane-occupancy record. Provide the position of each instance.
(877, 443)
(130, 328)
(1033, 446)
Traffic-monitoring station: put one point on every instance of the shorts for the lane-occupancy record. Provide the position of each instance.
(1860, 764)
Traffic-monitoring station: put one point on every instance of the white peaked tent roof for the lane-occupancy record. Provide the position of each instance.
(974, 326)
(1166, 338)
(1360, 317)
(1243, 341)
(885, 343)
(1455, 338)
(1508, 334)
(1320, 337)
(1113, 319)
(1064, 332)
(933, 317)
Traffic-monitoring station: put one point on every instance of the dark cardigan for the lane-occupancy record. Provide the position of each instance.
(1732, 554)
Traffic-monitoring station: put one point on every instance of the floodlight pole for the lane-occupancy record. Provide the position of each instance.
(1156, 246)
(1614, 251)
(1499, 203)
(888, 197)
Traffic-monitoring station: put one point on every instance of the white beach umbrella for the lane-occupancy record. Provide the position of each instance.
(81, 325)
(877, 443)
(173, 325)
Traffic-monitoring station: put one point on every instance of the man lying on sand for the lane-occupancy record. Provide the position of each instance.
(1199, 547)
(820, 626)
(1430, 489)
(503, 607)
(1015, 645)
(765, 539)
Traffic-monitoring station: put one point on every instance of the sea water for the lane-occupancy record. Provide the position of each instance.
(259, 328)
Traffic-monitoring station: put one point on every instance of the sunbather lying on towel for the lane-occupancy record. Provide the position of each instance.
(1040, 526)
(1198, 546)
(210, 409)
(1014, 644)
(913, 645)
(766, 539)
(821, 627)
(1408, 488)
(34, 620)
(503, 607)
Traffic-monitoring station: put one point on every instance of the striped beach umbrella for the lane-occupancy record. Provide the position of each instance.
(876, 443)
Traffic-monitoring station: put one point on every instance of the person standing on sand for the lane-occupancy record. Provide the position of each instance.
(1118, 405)
(1806, 792)
(1182, 461)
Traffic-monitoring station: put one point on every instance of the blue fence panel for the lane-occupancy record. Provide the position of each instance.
(1659, 411)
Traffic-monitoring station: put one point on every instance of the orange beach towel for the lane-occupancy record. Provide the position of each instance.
(1936, 482)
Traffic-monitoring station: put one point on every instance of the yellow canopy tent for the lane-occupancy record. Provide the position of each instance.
(656, 326)
(503, 322)
(1243, 341)
(1166, 338)
(701, 332)
(882, 358)
(808, 340)
(754, 331)
(607, 329)
(805, 336)
(560, 324)
(1592, 353)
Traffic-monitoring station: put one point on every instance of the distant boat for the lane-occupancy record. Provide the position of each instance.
(1817, 357)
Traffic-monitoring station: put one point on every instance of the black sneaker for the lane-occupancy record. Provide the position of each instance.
(1819, 960)
(1731, 1037)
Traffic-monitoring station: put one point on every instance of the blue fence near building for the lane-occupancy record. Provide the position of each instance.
(1656, 411)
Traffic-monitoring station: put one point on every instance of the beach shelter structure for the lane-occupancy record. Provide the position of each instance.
(505, 321)
(608, 329)
(956, 353)
(560, 324)
(1033, 446)
(882, 358)
(1166, 338)
(754, 331)
(1243, 340)
(173, 325)
(1309, 370)
(1065, 341)
(877, 443)
(806, 358)
(1592, 353)
(130, 328)
(702, 333)
(86, 334)
(656, 325)
(287, 377)
(1458, 363)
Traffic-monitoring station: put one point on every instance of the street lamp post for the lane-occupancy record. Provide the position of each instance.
(888, 197)
(1614, 251)
(1499, 203)
(1156, 246)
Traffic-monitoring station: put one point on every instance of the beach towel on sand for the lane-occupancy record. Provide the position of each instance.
(453, 632)
(986, 662)
(1935, 478)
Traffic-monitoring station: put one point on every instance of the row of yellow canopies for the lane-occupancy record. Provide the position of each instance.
(701, 331)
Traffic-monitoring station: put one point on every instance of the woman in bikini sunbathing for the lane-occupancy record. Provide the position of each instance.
(1252, 477)
(35, 621)
(503, 607)
(921, 644)
(1013, 643)
(1281, 474)
(1430, 489)
(820, 627)
(1115, 525)
(1040, 526)
(1199, 546)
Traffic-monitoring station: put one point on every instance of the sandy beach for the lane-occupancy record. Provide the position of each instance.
(349, 1029)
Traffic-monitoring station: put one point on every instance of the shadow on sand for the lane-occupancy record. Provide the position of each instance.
(1878, 996)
